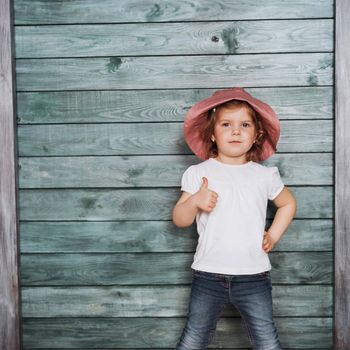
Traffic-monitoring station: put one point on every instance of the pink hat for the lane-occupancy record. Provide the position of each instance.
(200, 110)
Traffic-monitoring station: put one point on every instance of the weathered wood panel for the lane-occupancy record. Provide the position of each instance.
(151, 138)
(152, 236)
(112, 11)
(26, 348)
(159, 301)
(342, 176)
(157, 268)
(140, 204)
(149, 171)
(85, 267)
(152, 333)
(175, 38)
(9, 293)
(159, 105)
(304, 69)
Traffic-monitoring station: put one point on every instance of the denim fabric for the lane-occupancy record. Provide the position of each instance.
(250, 294)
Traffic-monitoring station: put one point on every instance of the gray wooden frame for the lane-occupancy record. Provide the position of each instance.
(342, 176)
(9, 285)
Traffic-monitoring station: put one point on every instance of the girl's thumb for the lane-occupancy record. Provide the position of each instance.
(204, 183)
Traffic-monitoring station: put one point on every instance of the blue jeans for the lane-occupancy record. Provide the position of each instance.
(250, 294)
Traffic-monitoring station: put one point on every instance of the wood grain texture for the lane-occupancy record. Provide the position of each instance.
(141, 204)
(175, 38)
(160, 301)
(154, 171)
(342, 175)
(112, 11)
(152, 236)
(239, 348)
(132, 139)
(159, 105)
(9, 284)
(102, 264)
(158, 268)
(169, 72)
(151, 333)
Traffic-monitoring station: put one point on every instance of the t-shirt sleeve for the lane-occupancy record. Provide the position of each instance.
(190, 182)
(276, 184)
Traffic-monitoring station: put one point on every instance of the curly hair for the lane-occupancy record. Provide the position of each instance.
(205, 129)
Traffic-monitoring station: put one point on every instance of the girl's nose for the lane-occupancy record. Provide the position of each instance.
(235, 131)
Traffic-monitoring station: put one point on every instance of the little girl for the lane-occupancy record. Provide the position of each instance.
(228, 193)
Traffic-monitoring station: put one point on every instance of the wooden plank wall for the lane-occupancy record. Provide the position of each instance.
(103, 88)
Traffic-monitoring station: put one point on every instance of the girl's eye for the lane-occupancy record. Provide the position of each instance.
(246, 125)
(225, 124)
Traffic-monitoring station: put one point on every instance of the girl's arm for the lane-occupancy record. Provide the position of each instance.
(185, 210)
(188, 205)
(287, 206)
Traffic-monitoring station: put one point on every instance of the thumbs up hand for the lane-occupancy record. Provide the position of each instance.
(205, 199)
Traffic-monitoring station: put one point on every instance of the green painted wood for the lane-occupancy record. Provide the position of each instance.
(141, 204)
(152, 236)
(157, 268)
(159, 105)
(86, 267)
(174, 38)
(304, 69)
(154, 171)
(88, 11)
(159, 301)
(152, 333)
(151, 138)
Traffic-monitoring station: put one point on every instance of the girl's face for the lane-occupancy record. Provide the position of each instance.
(234, 134)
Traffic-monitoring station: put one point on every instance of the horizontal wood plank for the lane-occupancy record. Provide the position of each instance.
(26, 348)
(159, 301)
(158, 268)
(303, 69)
(151, 138)
(174, 38)
(215, 348)
(149, 171)
(141, 204)
(159, 105)
(153, 333)
(152, 236)
(112, 11)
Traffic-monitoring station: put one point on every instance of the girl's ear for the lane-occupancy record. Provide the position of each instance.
(212, 138)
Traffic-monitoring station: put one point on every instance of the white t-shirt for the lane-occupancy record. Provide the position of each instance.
(231, 235)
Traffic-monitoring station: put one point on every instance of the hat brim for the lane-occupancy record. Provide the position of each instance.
(200, 110)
